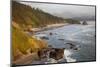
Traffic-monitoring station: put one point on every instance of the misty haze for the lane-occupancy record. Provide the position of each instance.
(66, 11)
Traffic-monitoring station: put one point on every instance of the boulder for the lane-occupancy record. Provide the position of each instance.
(57, 53)
(54, 53)
(84, 23)
(50, 33)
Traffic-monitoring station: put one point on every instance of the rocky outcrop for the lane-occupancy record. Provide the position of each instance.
(54, 53)
(57, 53)
(84, 23)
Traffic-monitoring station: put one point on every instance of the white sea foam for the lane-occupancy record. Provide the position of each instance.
(67, 54)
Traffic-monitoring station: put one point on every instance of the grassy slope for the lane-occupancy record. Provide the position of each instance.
(22, 42)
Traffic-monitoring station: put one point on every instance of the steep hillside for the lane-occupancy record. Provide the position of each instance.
(22, 42)
(26, 16)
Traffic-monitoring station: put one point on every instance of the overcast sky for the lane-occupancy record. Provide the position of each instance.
(65, 11)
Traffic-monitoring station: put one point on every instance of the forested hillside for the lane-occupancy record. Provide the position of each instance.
(27, 16)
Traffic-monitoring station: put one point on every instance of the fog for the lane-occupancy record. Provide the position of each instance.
(65, 11)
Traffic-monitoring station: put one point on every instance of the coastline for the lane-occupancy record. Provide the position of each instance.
(48, 27)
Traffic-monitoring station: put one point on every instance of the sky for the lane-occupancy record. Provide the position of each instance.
(65, 11)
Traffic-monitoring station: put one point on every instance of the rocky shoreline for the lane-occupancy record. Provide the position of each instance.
(43, 55)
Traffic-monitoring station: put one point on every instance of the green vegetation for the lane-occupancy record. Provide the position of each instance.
(22, 42)
(25, 17)
(71, 21)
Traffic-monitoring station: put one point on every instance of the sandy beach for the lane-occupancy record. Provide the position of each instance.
(48, 27)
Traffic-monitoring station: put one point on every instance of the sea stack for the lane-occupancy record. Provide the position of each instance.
(84, 23)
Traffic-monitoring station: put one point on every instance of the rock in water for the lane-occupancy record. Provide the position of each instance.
(84, 23)
(57, 53)
(50, 33)
(61, 39)
(71, 45)
(46, 38)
